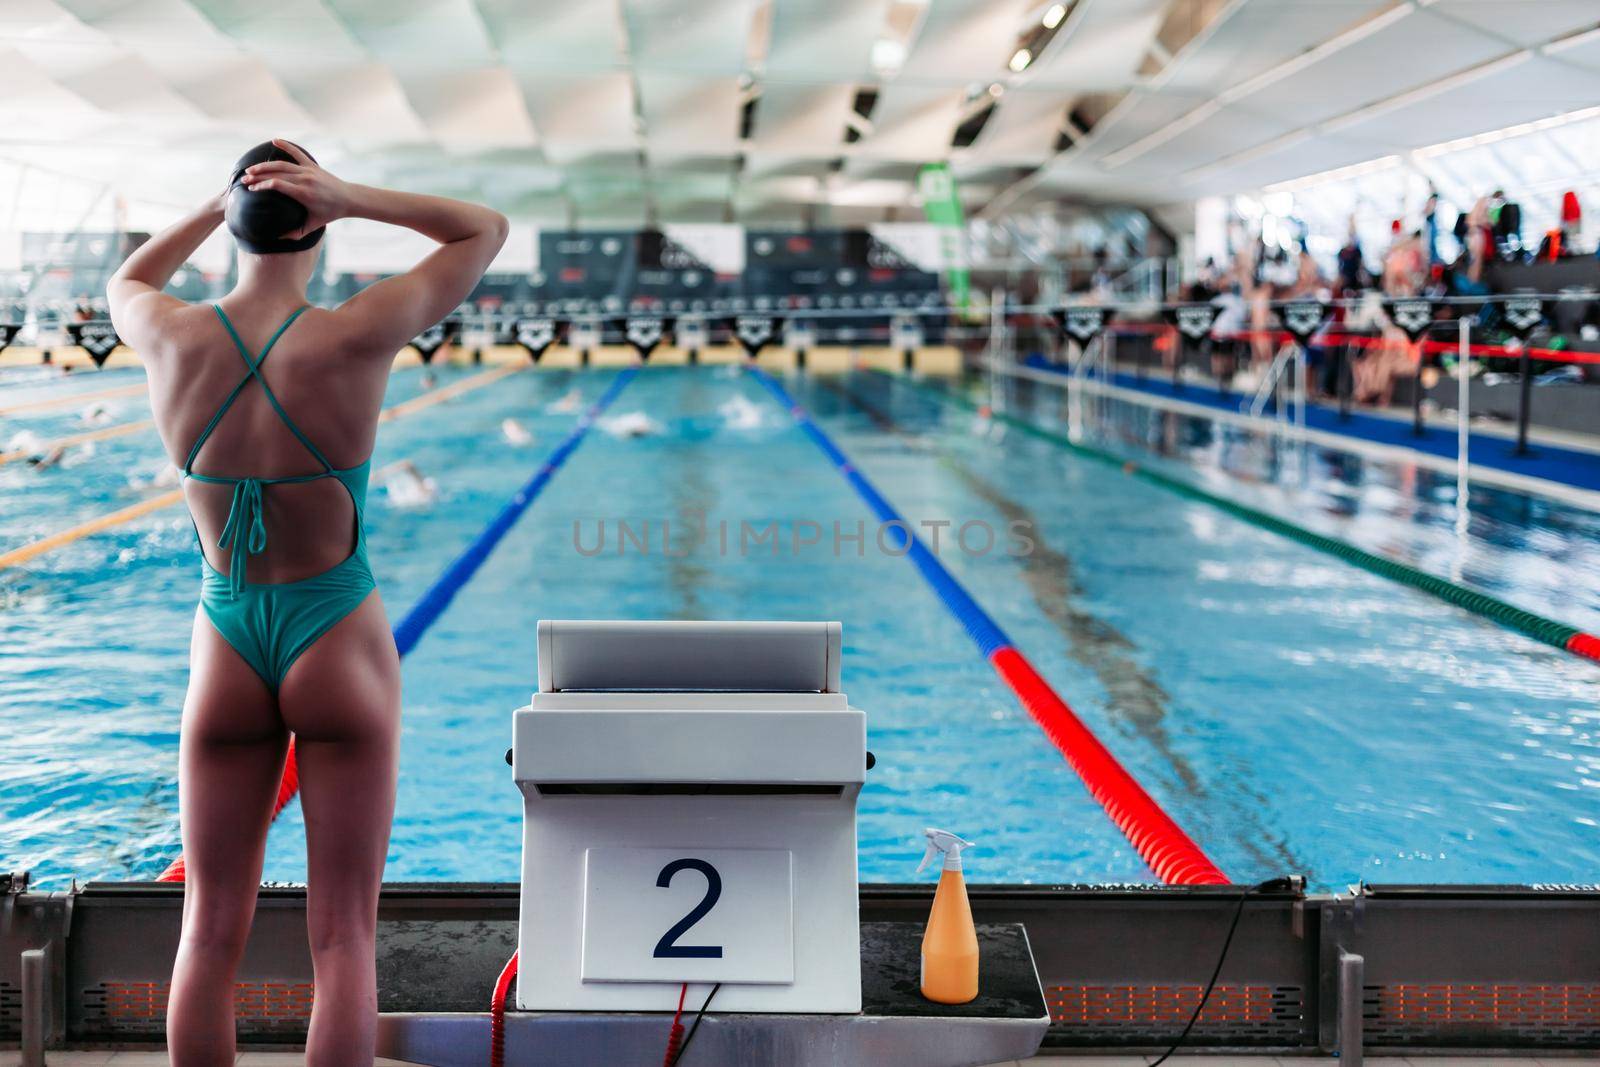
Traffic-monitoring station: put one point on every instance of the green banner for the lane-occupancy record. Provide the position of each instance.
(937, 187)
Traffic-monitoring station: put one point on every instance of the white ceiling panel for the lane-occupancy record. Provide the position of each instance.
(36, 108)
(1102, 48)
(1139, 114)
(1413, 52)
(802, 119)
(1580, 50)
(1222, 134)
(965, 40)
(542, 38)
(1523, 22)
(579, 113)
(1535, 89)
(690, 113)
(1292, 160)
(419, 35)
(469, 110)
(814, 40)
(912, 124)
(688, 36)
(340, 85)
(362, 104)
(1022, 129)
(1260, 34)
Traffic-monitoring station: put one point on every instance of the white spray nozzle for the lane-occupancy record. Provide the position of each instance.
(946, 842)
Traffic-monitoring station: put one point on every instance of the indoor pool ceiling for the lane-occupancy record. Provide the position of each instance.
(624, 112)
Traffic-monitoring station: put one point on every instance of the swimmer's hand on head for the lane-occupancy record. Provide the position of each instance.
(325, 197)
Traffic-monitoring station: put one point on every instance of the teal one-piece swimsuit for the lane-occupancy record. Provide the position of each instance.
(271, 625)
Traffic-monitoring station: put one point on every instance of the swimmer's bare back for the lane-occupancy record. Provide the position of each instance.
(329, 370)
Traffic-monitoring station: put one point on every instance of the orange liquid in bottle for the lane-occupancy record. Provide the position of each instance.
(950, 944)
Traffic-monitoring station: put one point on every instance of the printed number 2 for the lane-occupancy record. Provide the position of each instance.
(667, 947)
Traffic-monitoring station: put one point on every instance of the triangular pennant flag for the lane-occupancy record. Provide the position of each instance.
(1082, 323)
(1303, 318)
(96, 337)
(429, 341)
(1412, 314)
(1193, 321)
(1522, 315)
(537, 334)
(753, 332)
(644, 333)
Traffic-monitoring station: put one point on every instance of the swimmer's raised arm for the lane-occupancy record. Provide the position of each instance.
(134, 294)
(393, 311)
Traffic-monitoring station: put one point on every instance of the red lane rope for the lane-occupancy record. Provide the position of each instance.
(1585, 645)
(1170, 852)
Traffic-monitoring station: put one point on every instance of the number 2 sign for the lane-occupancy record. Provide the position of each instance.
(677, 915)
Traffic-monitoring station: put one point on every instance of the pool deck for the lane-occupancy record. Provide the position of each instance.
(255, 1058)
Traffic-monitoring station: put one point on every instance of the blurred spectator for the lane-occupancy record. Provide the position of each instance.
(1352, 270)
(1430, 226)
(1404, 264)
(1505, 221)
(1562, 241)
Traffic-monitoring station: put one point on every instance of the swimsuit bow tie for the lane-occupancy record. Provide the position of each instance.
(243, 514)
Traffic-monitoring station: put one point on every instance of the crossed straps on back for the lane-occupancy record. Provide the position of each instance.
(245, 529)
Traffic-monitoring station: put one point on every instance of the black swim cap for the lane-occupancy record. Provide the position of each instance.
(258, 218)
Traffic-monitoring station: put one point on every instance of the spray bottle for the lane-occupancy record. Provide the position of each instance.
(950, 944)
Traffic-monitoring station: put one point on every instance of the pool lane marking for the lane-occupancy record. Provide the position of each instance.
(105, 522)
(104, 433)
(399, 411)
(73, 398)
(426, 611)
(1160, 842)
(448, 392)
(409, 630)
(1547, 631)
(123, 515)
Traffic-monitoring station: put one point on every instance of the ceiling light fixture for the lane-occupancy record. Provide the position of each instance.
(1020, 60)
(1053, 17)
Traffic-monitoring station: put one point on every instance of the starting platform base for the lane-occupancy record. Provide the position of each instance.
(1007, 1021)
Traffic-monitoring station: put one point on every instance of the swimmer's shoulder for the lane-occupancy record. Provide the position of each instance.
(349, 331)
(169, 331)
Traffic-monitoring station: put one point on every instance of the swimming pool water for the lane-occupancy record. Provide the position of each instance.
(1294, 714)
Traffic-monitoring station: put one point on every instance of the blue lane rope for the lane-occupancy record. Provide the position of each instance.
(983, 630)
(409, 630)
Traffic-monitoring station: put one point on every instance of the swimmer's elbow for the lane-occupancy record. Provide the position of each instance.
(499, 228)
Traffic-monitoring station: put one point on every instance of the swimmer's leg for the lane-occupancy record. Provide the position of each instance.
(230, 760)
(342, 699)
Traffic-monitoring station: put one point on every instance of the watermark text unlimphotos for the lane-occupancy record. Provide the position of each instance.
(698, 533)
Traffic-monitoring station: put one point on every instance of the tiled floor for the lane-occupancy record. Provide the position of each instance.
(291, 1059)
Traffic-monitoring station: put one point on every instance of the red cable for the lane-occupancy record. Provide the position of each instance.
(497, 1013)
(675, 1035)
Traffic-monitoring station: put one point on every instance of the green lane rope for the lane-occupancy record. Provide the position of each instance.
(1550, 632)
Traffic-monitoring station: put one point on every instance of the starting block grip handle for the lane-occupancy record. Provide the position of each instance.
(744, 657)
